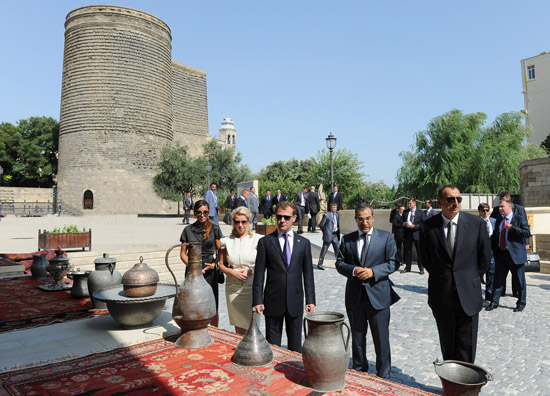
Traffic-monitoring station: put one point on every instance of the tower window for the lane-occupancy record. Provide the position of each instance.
(88, 199)
(228, 139)
(531, 72)
(233, 139)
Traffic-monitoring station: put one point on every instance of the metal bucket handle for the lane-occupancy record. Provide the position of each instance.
(488, 375)
(168, 266)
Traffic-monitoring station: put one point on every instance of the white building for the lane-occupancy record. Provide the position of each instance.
(535, 72)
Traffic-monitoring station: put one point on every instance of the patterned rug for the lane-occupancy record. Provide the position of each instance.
(23, 305)
(159, 368)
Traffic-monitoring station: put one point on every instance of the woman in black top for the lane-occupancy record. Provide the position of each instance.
(203, 230)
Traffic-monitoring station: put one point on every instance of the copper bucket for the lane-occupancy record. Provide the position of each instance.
(461, 378)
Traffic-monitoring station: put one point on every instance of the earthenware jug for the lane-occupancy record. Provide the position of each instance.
(104, 276)
(80, 283)
(325, 352)
(461, 378)
(38, 266)
(194, 305)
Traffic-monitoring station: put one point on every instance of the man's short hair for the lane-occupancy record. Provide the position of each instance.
(429, 201)
(268, 190)
(412, 199)
(285, 205)
(482, 205)
(333, 204)
(402, 206)
(505, 194)
(213, 184)
(507, 201)
(363, 206)
(245, 189)
(440, 191)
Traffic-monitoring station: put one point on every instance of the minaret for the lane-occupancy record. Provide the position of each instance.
(228, 133)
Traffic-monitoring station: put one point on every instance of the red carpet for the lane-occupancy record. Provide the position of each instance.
(23, 305)
(159, 368)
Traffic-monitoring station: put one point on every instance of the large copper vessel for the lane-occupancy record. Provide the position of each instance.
(461, 378)
(194, 305)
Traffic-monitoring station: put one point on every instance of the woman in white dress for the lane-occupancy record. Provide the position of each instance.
(238, 256)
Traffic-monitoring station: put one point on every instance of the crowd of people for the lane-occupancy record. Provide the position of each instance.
(273, 275)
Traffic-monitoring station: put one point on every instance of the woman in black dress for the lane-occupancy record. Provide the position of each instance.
(209, 234)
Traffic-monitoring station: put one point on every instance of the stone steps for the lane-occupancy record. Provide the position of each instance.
(126, 260)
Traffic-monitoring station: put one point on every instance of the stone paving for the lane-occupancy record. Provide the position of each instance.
(513, 347)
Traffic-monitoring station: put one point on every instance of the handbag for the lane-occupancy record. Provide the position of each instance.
(221, 276)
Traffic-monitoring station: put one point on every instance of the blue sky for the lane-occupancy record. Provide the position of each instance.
(289, 72)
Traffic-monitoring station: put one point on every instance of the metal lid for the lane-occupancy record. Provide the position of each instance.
(58, 259)
(105, 259)
(140, 275)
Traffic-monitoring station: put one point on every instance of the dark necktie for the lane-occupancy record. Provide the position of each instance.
(502, 242)
(451, 237)
(412, 216)
(286, 251)
(364, 248)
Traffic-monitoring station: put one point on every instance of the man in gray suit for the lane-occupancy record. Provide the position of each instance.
(253, 204)
(187, 206)
(367, 258)
(330, 227)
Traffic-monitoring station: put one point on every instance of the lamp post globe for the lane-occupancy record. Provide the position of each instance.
(331, 144)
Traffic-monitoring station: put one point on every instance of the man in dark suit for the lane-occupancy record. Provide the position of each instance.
(394, 211)
(367, 258)
(330, 227)
(336, 196)
(187, 206)
(508, 243)
(313, 206)
(455, 250)
(243, 199)
(483, 210)
(265, 205)
(397, 231)
(277, 199)
(429, 211)
(517, 210)
(287, 258)
(300, 201)
(412, 219)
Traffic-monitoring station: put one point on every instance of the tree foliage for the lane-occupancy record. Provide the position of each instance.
(546, 144)
(28, 152)
(459, 149)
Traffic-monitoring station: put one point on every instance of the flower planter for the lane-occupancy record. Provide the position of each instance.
(51, 240)
(265, 229)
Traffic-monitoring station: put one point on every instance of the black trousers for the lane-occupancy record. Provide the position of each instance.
(360, 317)
(274, 330)
(409, 240)
(457, 332)
(503, 264)
(186, 216)
(312, 223)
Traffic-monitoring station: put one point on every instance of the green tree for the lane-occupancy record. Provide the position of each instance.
(546, 144)
(28, 151)
(457, 148)
(179, 174)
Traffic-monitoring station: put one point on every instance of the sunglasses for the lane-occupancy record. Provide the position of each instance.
(286, 217)
(452, 199)
(484, 210)
(240, 221)
(204, 212)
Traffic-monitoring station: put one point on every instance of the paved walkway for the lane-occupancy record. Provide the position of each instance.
(512, 346)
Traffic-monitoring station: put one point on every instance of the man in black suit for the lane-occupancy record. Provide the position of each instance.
(397, 231)
(367, 258)
(455, 250)
(508, 243)
(412, 219)
(336, 196)
(300, 201)
(277, 199)
(394, 211)
(243, 199)
(265, 205)
(429, 211)
(187, 206)
(287, 258)
(330, 227)
(313, 206)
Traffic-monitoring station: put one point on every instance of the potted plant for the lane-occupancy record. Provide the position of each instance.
(267, 227)
(67, 237)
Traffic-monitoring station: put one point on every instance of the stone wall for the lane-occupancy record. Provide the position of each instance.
(28, 194)
(190, 107)
(535, 182)
(116, 109)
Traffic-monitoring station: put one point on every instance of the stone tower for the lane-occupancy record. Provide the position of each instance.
(116, 110)
(228, 133)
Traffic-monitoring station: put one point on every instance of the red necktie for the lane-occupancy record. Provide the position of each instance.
(502, 242)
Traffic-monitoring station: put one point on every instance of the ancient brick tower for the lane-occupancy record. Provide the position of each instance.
(117, 110)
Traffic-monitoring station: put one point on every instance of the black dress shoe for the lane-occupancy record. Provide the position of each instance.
(299, 232)
(518, 309)
(404, 270)
(421, 272)
(491, 306)
(320, 267)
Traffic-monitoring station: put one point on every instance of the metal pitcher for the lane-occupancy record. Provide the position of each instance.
(194, 305)
(253, 350)
(80, 283)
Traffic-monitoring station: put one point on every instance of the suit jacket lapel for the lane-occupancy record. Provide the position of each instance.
(441, 234)
(353, 246)
(295, 248)
(461, 228)
(374, 239)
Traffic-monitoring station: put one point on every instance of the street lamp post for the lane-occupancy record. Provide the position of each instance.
(331, 144)
(1, 173)
(208, 169)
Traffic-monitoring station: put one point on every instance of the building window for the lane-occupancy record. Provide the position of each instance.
(233, 139)
(531, 72)
(228, 139)
(88, 200)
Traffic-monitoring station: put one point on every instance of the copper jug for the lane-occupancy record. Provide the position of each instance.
(194, 305)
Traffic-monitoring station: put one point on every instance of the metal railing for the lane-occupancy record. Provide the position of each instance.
(29, 209)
